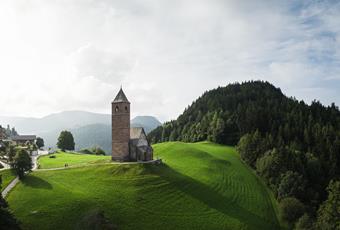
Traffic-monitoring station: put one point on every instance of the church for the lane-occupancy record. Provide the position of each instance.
(128, 144)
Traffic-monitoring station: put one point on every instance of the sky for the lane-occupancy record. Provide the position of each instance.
(58, 55)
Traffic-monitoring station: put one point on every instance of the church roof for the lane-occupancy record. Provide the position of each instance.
(135, 132)
(121, 97)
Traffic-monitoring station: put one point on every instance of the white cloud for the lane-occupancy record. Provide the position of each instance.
(62, 55)
(103, 65)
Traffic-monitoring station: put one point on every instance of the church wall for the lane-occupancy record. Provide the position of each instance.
(120, 131)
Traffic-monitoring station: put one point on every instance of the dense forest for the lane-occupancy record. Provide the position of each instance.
(293, 146)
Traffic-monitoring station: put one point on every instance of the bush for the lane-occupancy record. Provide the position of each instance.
(329, 211)
(86, 151)
(53, 156)
(292, 185)
(98, 151)
(93, 151)
(249, 148)
(304, 223)
(291, 209)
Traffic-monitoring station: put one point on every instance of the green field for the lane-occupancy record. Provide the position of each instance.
(7, 176)
(200, 186)
(72, 159)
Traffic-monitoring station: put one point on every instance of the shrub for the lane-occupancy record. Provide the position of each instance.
(98, 151)
(93, 150)
(291, 209)
(329, 211)
(292, 184)
(53, 156)
(86, 151)
(304, 223)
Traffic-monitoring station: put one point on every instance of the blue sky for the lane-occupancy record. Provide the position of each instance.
(75, 54)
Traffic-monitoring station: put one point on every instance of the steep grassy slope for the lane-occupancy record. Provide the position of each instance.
(61, 158)
(200, 186)
(7, 176)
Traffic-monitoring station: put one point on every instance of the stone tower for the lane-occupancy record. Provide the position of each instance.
(120, 127)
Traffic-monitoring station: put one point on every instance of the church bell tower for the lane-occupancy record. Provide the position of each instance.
(120, 127)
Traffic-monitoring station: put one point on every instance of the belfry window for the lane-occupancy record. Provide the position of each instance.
(116, 109)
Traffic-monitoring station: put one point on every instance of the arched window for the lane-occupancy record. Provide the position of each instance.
(126, 108)
(116, 109)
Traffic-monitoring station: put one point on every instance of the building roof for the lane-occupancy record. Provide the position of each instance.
(24, 138)
(136, 132)
(121, 97)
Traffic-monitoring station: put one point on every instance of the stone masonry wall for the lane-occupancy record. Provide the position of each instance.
(120, 131)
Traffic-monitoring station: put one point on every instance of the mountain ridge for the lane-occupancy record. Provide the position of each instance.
(82, 124)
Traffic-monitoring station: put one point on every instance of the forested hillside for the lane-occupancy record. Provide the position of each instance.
(293, 146)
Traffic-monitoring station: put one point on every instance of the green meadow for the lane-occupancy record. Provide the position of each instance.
(199, 186)
(72, 159)
(7, 176)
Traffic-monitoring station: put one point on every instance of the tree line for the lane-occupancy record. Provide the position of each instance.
(293, 146)
(8, 132)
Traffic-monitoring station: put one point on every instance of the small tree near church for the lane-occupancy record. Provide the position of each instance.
(66, 141)
(22, 163)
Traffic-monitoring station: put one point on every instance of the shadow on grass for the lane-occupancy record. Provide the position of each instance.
(212, 198)
(36, 182)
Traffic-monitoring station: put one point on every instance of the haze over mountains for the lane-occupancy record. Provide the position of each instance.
(88, 128)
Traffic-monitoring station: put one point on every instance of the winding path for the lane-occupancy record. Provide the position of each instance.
(6, 166)
(14, 182)
(40, 153)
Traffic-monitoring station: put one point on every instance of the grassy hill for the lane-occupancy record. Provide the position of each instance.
(7, 176)
(200, 186)
(72, 159)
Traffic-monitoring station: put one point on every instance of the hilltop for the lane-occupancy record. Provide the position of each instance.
(292, 145)
(225, 114)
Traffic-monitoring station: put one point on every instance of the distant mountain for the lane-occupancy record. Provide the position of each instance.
(57, 121)
(100, 134)
(147, 122)
(93, 135)
(88, 128)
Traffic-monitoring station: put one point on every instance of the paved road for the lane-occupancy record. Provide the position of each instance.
(16, 180)
(35, 159)
(35, 167)
(6, 166)
(9, 187)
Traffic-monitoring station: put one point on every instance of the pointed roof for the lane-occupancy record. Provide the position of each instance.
(135, 132)
(121, 96)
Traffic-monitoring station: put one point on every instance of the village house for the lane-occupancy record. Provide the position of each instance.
(24, 139)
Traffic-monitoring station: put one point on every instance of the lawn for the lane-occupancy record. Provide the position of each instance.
(72, 159)
(7, 176)
(200, 186)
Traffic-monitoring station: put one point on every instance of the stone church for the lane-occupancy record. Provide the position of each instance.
(128, 144)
